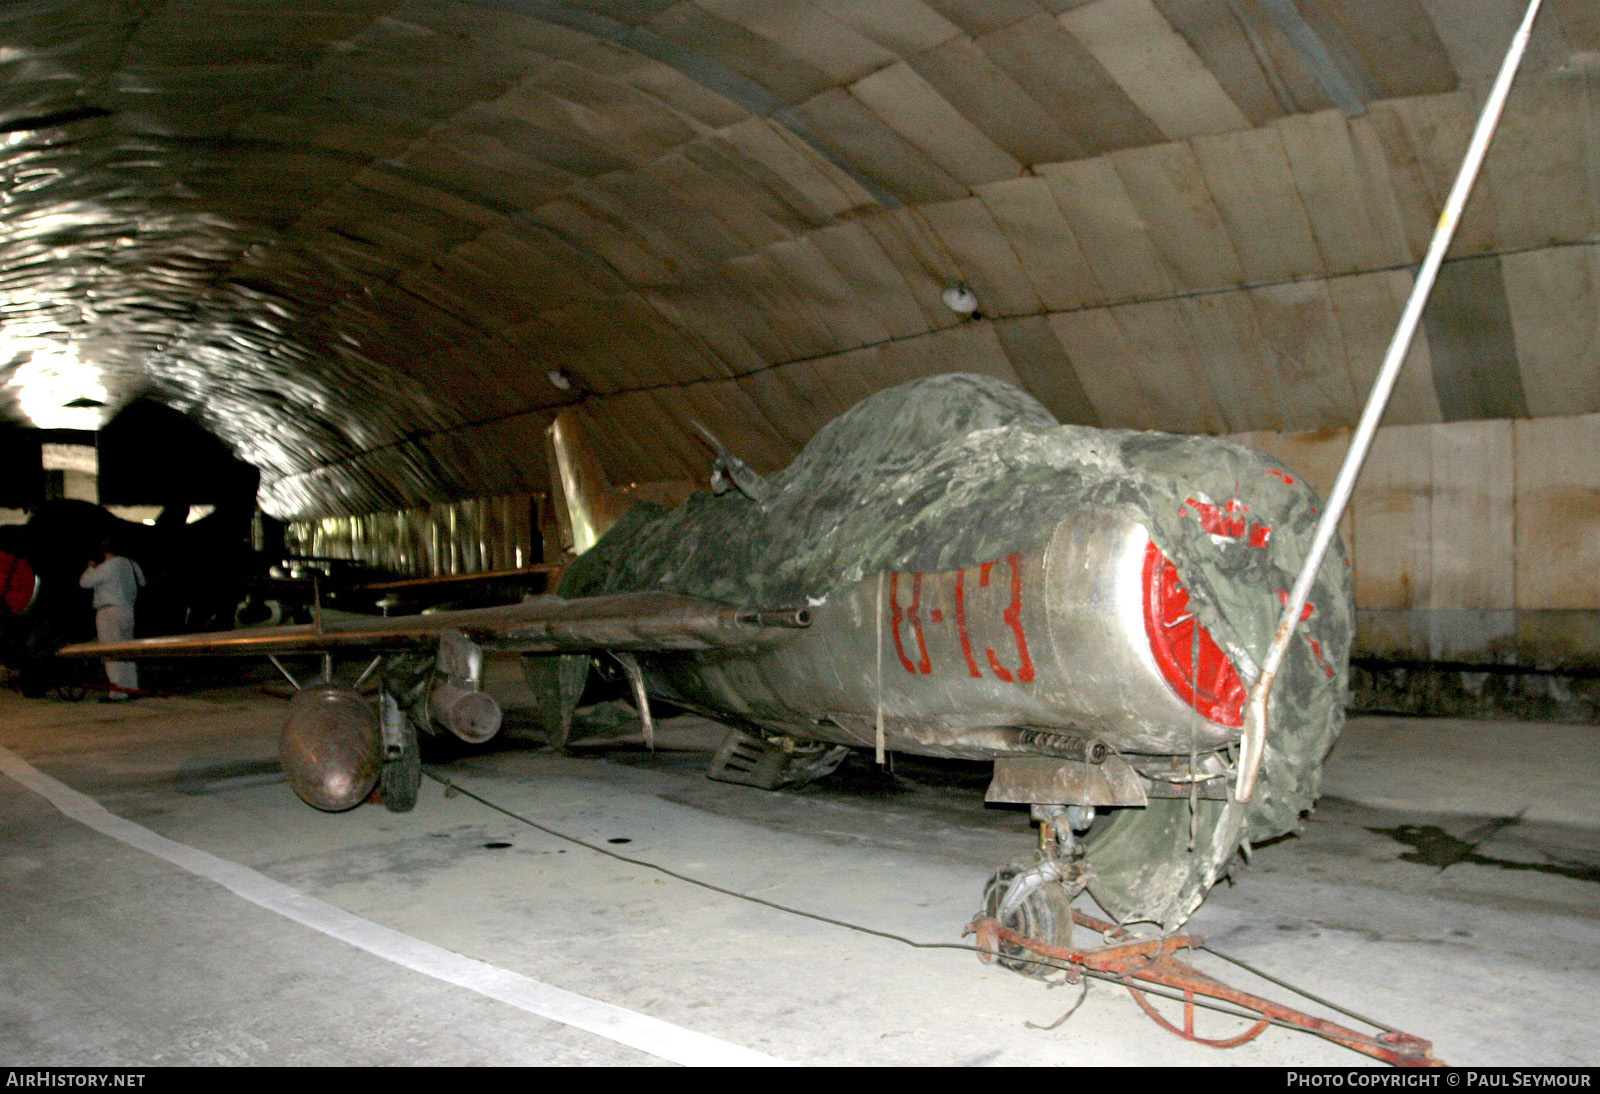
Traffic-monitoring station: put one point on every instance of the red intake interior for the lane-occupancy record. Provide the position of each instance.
(1208, 683)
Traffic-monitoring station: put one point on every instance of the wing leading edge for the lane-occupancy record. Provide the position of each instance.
(545, 624)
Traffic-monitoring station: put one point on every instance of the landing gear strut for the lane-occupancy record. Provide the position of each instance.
(1033, 898)
(401, 702)
(401, 775)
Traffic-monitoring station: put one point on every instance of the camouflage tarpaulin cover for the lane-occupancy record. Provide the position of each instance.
(954, 470)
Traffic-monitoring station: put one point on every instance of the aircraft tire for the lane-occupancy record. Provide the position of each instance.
(1045, 915)
(402, 777)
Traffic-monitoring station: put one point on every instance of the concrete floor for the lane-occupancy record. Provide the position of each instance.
(1484, 941)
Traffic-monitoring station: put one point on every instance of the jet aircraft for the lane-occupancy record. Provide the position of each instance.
(944, 570)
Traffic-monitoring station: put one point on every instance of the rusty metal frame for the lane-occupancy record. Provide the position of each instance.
(1155, 961)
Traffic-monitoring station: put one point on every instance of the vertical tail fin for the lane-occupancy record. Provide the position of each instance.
(586, 505)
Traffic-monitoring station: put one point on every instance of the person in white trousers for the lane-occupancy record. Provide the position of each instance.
(115, 580)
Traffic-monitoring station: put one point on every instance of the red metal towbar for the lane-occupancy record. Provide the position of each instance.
(1154, 961)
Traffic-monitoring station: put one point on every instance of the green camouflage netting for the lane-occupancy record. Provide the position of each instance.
(955, 470)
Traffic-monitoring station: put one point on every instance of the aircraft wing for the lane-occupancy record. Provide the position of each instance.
(545, 624)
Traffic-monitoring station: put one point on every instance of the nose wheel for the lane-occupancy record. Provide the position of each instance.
(1033, 898)
(1031, 905)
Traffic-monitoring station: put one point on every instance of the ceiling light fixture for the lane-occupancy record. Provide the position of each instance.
(559, 380)
(961, 300)
(54, 388)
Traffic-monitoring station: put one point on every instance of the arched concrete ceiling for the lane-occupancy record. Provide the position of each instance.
(355, 236)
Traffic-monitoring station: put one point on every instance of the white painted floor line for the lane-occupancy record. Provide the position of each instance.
(658, 1038)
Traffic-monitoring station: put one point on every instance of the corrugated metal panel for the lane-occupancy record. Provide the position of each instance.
(1045, 369)
(1104, 364)
(977, 87)
(1473, 351)
(1393, 521)
(1155, 66)
(1473, 530)
(1167, 368)
(1114, 237)
(1306, 353)
(473, 535)
(1367, 308)
(1167, 187)
(1233, 360)
(1558, 513)
(910, 105)
(1249, 178)
(983, 256)
(1354, 227)
(1061, 75)
(1554, 300)
(1215, 31)
(1029, 218)
(876, 281)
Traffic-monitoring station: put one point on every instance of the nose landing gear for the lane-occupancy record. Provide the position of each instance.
(1026, 926)
(1033, 898)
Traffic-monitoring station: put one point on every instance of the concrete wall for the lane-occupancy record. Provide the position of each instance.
(1474, 542)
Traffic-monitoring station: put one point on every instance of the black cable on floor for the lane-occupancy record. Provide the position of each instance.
(1147, 988)
(1249, 968)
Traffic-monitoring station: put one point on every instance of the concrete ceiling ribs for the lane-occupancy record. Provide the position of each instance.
(353, 237)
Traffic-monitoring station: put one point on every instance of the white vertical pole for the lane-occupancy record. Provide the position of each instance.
(1253, 740)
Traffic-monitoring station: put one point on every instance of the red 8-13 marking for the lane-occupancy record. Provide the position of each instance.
(1012, 616)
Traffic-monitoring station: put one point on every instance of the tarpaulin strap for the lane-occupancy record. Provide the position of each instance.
(877, 624)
